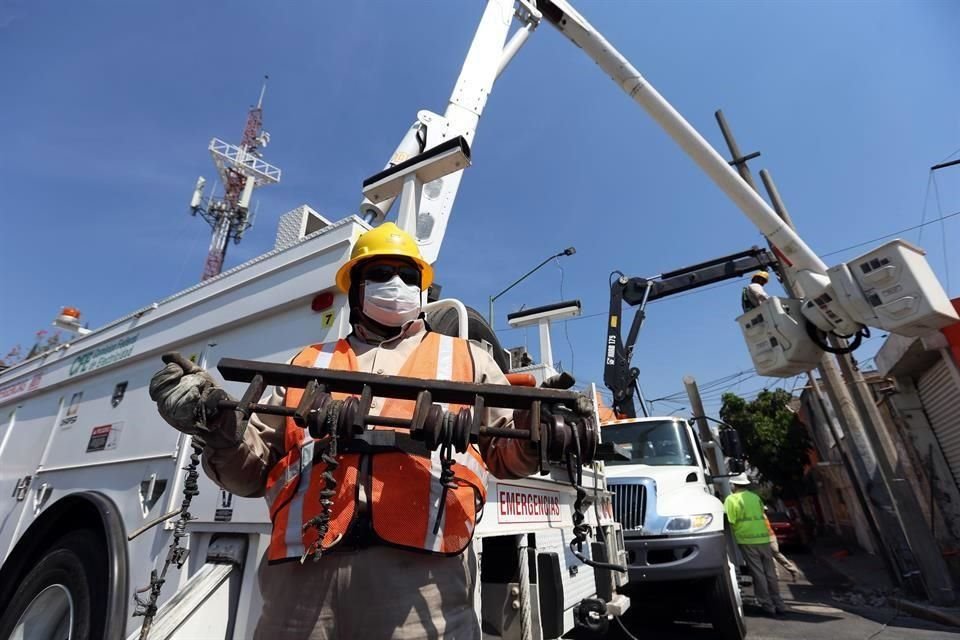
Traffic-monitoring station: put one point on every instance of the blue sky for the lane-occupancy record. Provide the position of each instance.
(108, 108)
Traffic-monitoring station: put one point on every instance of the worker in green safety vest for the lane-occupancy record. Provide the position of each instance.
(744, 511)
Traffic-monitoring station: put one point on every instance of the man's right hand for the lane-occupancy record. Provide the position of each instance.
(188, 398)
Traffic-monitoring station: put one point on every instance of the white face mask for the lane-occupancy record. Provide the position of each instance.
(392, 303)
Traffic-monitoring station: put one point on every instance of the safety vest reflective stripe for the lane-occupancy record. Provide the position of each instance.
(453, 361)
(404, 489)
(290, 505)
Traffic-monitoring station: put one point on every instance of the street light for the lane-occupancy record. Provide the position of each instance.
(569, 251)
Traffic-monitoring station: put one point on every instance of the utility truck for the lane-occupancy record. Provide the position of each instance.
(86, 464)
(667, 495)
(678, 551)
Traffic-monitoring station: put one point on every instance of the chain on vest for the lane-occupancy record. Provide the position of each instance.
(402, 490)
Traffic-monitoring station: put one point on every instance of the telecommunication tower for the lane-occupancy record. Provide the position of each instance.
(242, 169)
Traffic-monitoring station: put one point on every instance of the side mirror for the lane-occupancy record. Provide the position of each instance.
(736, 466)
(730, 441)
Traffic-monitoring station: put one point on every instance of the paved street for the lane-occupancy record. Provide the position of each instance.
(817, 615)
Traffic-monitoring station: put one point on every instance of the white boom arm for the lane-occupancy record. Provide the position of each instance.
(488, 55)
(808, 268)
(561, 15)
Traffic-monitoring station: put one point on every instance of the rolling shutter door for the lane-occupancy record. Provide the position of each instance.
(941, 401)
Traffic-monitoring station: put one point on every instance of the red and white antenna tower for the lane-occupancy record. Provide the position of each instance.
(241, 170)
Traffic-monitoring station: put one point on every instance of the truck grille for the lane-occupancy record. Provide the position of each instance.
(629, 504)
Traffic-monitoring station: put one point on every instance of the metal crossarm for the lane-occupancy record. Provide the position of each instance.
(402, 388)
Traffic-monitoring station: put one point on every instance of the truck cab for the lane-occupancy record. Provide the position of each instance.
(673, 523)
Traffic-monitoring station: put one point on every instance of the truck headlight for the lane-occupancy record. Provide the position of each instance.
(688, 524)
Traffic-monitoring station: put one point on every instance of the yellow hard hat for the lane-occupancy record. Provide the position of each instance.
(762, 274)
(387, 240)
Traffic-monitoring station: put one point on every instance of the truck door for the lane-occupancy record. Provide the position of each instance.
(25, 433)
(696, 440)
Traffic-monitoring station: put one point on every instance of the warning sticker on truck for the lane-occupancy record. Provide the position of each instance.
(517, 504)
(70, 415)
(225, 512)
(104, 437)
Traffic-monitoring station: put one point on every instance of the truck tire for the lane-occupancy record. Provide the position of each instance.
(445, 321)
(67, 582)
(725, 607)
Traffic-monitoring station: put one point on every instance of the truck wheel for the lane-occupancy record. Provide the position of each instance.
(62, 595)
(445, 321)
(725, 606)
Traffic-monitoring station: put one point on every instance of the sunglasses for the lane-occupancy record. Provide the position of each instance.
(382, 272)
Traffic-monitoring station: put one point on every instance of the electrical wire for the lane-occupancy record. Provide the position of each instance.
(623, 628)
(940, 218)
(566, 332)
(710, 385)
(923, 213)
(943, 230)
(949, 156)
(890, 235)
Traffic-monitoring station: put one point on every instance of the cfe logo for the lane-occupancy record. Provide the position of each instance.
(103, 356)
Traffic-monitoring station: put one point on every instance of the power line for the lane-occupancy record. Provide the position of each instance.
(949, 156)
(890, 235)
(566, 332)
(943, 230)
(926, 199)
(733, 282)
(707, 390)
(709, 385)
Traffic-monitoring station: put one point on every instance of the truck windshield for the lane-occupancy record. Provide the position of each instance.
(660, 443)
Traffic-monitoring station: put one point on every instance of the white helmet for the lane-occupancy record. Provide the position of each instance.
(740, 480)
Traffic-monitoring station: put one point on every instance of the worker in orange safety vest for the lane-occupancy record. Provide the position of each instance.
(394, 564)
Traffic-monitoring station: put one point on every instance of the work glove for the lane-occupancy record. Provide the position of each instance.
(188, 398)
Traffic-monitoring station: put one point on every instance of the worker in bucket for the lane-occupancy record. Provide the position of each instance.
(387, 567)
(753, 294)
(744, 511)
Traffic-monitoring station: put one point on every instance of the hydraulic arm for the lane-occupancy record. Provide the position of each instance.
(619, 376)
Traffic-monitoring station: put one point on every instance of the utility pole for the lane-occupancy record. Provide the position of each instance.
(921, 545)
(715, 461)
(839, 394)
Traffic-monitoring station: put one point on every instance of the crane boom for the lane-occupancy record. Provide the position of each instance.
(487, 57)
(618, 374)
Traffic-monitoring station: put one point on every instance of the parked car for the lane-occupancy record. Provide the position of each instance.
(790, 531)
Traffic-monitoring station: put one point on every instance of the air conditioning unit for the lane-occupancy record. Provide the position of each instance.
(296, 225)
